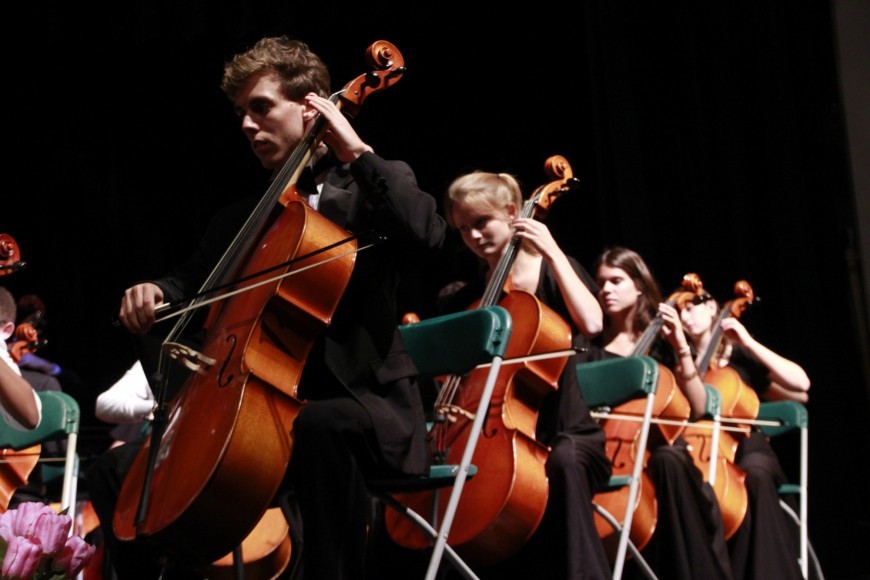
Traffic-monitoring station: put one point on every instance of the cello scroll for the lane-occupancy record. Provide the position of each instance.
(389, 67)
(558, 168)
(10, 255)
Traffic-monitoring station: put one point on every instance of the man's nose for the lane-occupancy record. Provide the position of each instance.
(248, 123)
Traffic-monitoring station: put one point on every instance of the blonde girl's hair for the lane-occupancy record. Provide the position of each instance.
(497, 190)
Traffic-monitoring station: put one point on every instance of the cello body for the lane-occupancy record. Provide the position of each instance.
(228, 432)
(265, 552)
(738, 401)
(621, 446)
(501, 506)
(729, 485)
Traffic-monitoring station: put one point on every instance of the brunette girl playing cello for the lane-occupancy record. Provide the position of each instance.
(688, 541)
(765, 545)
(485, 208)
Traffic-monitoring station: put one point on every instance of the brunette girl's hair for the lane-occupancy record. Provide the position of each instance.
(633, 265)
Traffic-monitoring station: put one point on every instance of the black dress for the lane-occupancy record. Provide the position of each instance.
(766, 543)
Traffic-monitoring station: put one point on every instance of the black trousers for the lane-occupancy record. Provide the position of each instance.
(689, 541)
(334, 451)
(766, 543)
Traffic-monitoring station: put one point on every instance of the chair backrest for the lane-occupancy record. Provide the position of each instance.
(611, 382)
(456, 343)
(790, 414)
(60, 418)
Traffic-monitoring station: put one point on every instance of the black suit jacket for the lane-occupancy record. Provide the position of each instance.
(361, 347)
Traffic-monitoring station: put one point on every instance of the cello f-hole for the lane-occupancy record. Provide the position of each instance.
(223, 382)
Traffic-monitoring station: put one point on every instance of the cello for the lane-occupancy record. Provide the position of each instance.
(671, 409)
(228, 431)
(738, 401)
(502, 506)
(15, 466)
(27, 339)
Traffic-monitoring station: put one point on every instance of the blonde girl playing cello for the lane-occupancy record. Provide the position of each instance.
(485, 208)
(765, 545)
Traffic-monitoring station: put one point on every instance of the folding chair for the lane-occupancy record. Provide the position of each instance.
(777, 418)
(452, 344)
(60, 421)
(607, 384)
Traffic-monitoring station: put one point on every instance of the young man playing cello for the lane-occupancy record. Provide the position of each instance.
(363, 414)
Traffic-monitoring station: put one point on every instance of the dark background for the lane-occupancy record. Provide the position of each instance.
(708, 137)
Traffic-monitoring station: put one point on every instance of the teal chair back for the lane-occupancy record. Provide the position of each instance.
(451, 344)
(60, 417)
(790, 414)
(61, 420)
(777, 418)
(611, 382)
(454, 344)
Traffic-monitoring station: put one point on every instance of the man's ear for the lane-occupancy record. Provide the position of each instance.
(7, 330)
(308, 113)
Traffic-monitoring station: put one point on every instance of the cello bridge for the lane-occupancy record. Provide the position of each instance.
(451, 411)
(192, 359)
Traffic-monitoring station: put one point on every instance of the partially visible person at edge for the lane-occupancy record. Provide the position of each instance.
(766, 544)
(364, 416)
(19, 404)
(43, 375)
(486, 210)
(689, 539)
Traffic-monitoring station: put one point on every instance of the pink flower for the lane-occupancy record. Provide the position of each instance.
(22, 558)
(24, 518)
(38, 546)
(74, 556)
(6, 526)
(51, 530)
